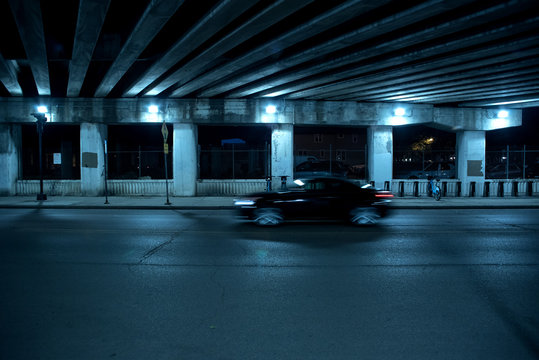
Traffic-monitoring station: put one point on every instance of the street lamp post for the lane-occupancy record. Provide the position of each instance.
(41, 119)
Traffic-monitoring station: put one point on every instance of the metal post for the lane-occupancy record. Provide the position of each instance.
(330, 162)
(166, 176)
(507, 164)
(164, 131)
(139, 163)
(41, 119)
(524, 163)
(106, 175)
(40, 196)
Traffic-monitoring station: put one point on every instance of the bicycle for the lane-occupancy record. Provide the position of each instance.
(435, 189)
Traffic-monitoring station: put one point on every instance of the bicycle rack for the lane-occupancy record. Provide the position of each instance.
(500, 189)
(283, 182)
(444, 188)
(472, 189)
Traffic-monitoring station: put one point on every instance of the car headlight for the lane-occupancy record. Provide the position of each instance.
(245, 202)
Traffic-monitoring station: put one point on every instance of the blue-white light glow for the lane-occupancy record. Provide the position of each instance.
(271, 109)
(503, 114)
(400, 111)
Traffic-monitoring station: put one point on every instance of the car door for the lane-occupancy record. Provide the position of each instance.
(316, 199)
(343, 196)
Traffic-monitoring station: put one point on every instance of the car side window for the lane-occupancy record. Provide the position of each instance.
(336, 186)
(315, 186)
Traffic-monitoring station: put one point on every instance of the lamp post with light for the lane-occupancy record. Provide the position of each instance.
(41, 119)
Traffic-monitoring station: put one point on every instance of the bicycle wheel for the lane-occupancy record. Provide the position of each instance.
(437, 194)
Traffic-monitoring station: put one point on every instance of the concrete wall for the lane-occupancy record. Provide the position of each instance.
(10, 144)
(282, 154)
(470, 158)
(95, 114)
(185, 159)
(380, 154)
(92, 148)
(210, 111)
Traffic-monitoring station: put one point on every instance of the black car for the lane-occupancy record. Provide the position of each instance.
(321, 168)
(317, 198)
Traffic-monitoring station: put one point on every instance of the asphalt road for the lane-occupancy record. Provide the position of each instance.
(120, 284)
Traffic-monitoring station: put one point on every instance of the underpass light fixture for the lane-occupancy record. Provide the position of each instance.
(153, 109)
(502, 114)
(271, 109)
(400, 111)
(42, 109)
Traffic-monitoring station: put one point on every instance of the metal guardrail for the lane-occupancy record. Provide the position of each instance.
(401, 188)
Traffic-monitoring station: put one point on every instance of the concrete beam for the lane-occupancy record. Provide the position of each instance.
(91, 17)
(8, 77)
(467, 60)
(27, 14)
(220, 16)
(238, 112)
(347, 89)
(152, 21)
(393, 22)
(261, 21)
(319, 24)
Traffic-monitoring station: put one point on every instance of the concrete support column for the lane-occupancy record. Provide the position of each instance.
(471, 160)
(282, 154)
(184, 157)
(380, 154)
(10, 146)
(92, 152)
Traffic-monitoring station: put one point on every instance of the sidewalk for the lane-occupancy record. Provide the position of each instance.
(219, 203)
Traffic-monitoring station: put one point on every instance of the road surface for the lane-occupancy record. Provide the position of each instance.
(134, 284)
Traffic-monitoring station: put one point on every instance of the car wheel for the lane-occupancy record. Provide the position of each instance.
(364, 216)
(268, 217)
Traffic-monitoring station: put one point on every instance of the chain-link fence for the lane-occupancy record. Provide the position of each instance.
(410, 164)
(512, 162)
(233, 162)
(144, 162)
(331, 161)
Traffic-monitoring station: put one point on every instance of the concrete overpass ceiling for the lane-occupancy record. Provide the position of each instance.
(445, 53)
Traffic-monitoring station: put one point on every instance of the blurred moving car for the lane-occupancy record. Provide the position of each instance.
(321, 168)
(317, 198)
(437, 169)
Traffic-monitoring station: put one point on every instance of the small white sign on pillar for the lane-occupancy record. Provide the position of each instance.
(57, 159)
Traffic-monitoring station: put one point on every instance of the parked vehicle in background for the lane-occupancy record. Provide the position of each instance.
(317, 198)
(503, 171)
(437, 169)
(321, 168)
